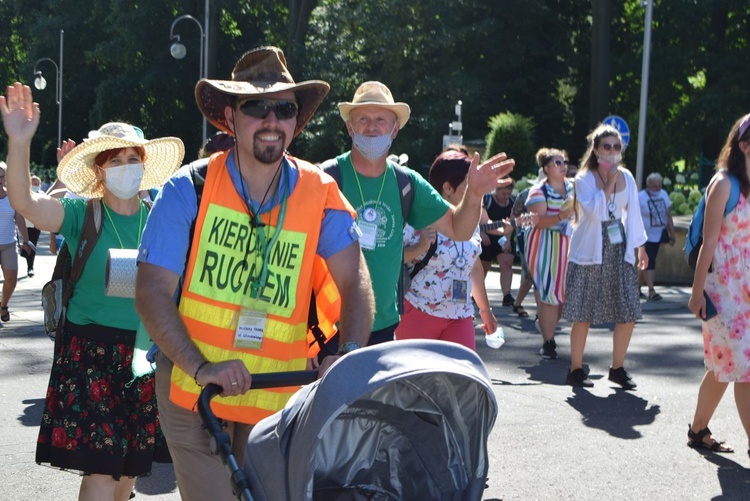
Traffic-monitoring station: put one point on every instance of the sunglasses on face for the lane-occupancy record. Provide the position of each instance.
(260, 108)
(608, 147)
(560, 163)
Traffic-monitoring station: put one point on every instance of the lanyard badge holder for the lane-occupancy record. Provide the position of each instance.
(613, 228)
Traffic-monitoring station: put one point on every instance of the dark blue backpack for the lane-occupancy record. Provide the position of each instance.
(694, 238)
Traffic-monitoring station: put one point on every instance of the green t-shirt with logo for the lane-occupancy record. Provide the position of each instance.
(386, 259)
(89, 304)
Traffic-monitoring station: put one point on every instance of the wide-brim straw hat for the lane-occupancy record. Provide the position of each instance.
(375, 94)
(163, 157)
(260, 73)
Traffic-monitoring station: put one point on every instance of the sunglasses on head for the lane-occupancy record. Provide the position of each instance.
(608, 147)
(260, 108)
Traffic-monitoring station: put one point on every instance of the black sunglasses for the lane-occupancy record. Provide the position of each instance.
(608, 147)
(260, 108)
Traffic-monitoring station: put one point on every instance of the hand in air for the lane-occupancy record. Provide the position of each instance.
(20, 112)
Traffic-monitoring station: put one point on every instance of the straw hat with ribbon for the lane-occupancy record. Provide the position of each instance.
(163, 157)
(376, 94)
(260, 73)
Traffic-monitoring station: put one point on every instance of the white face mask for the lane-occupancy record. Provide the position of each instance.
(609, 161)
(375, 147)
(124, 181)
(35, 189)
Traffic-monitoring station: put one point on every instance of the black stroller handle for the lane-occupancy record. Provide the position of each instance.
(220, 443)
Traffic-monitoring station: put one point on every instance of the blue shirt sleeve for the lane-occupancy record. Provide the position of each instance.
(338, 231)
(166, 236)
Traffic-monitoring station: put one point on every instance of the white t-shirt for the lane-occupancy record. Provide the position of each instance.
(654, 212)
(7, 222)
(442, 288)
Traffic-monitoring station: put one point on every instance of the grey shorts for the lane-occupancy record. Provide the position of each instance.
(9, 256)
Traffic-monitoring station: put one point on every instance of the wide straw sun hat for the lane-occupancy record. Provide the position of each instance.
(375, 94)
(260, 73)
(163, 157)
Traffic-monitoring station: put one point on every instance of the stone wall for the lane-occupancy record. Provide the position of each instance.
(671, 267)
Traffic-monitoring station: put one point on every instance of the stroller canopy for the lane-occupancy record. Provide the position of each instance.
(400, 420)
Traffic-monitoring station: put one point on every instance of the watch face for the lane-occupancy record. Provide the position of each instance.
(347, 347)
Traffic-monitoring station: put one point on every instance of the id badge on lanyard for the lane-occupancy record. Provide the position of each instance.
(614, 233)
(251, 326)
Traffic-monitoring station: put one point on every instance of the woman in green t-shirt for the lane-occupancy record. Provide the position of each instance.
(98, 418)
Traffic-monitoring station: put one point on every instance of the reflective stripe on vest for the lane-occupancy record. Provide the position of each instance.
(217, 285)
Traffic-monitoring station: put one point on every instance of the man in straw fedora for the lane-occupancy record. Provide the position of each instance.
(246, 284)
(373, 120)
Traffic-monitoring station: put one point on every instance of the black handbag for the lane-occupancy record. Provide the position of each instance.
(665, 238)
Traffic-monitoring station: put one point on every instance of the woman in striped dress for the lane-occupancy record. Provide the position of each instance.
(547, 247)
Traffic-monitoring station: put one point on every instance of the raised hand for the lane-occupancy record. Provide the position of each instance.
(64, 149)
(489, 175)
(20, 112)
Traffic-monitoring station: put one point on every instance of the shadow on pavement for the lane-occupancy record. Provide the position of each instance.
(618, 413)
(733, 477)
(32, 415)
(161, 480)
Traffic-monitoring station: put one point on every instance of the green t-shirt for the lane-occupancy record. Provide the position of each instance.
(385, 261)
(89, 304)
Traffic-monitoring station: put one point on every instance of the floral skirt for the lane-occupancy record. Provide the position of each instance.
(97, 418)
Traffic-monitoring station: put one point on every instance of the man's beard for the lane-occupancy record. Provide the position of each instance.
(269, 154)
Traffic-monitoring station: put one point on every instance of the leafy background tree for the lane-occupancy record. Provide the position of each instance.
(527, 57)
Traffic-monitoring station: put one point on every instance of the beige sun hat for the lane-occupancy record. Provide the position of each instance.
(260, 73)
(163, 157)
(375, 94)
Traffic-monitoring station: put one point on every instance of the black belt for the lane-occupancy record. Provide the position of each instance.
(101, 333)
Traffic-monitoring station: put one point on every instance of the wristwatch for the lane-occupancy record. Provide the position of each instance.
(348, 347)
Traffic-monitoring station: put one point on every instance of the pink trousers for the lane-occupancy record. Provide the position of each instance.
(416, 324)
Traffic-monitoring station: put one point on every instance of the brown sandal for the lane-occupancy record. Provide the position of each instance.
(695, 440)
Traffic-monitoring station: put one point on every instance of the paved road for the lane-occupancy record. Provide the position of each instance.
(550, 441)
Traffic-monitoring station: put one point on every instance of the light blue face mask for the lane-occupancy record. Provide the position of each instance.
(375, 147)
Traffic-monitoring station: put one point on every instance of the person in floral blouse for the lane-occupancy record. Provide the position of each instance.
(438, 303)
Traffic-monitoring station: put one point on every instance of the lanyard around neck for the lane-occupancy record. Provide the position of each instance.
(611, 205)
(114, 227)
(362, 196)
(258, 286)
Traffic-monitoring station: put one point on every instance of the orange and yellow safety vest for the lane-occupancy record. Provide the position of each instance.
(225, 256)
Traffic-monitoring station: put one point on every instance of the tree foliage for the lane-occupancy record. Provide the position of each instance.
(513, 134)
(526, 57)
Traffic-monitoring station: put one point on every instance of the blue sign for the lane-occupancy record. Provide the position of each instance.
(621, 126)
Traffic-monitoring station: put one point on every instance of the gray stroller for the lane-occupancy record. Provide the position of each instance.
(406, 420)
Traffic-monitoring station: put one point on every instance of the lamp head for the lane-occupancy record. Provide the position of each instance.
(39, 81)
(177, 50)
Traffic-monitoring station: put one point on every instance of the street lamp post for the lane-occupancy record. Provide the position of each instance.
(178, 50)
(649, 4)
(41, 84)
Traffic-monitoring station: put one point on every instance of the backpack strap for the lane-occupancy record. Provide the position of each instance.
(423, 262)
(734, 194)
(92, 228)
(405, 189)
(331, 167)
(198, 171)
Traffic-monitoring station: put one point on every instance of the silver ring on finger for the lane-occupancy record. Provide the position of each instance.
(234, 383)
